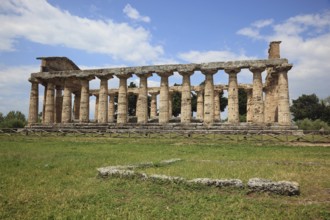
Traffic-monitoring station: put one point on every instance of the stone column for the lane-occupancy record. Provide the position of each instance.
(200, 104)
(249, 105)
(170, 105)
(96, 111)
(233, 113)
(44, 103)
(209, 96)
(153, 105)
(49, 108)
(34, 102)
(122, 99)
(284, 116)
(142, 101)
(163, 99)
(111, 108)
(186, 97)
(76, 106)
(103, 99)
(67, 104)
(84, 101)
(216, 105)
(257, 94)
(58, 105)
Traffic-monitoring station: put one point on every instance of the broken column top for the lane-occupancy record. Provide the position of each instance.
(274, 50)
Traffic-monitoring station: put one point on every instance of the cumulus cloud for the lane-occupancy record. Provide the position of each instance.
(211, 56)
(306, 43)
(134, 14)
(40, 22)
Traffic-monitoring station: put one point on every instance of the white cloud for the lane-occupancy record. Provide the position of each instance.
(211, 56)
(262, 23)
(40, 22)
(306, 44)
(134, 14)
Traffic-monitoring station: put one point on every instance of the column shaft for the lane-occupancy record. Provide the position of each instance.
(208, 97)
(44, 104)
(49, 108)
(76, 106)
(84, 102)
(200, 105)
(257, 95)
(96, 111)
(216, 105)
(142, 102)
(249, 106)
(122, 100)
(103, 101)
(153, 105)
(170, 105)
(58, 105)
(67, 104)
(163, 99)
(186, 97)
(111, 108)
(233, 113)
(284, 117)
(34, 103)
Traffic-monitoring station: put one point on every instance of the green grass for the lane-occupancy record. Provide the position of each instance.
(56, 178)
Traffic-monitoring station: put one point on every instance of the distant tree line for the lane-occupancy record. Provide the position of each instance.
(14, 119)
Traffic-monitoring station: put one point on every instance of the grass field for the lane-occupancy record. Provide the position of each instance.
(56, 178)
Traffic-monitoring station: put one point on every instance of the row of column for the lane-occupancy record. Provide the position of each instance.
(59, 109)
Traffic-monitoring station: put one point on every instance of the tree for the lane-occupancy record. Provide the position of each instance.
(307, 106)
(14, 119)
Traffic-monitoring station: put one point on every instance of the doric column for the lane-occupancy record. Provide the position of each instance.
(233, 113)
(84, 101)
(153, 105)
(58, 104)
(257, 94)
(249, 105)
(34, 102)
(111, 108)
(142, 102)
(163, 99)
(122, 99)
(186, 97)
(96, 111)
(284, 117)
(76, 106)
(216, 105)
(209, 96)
(49, 107)
(67, 103)
(44, 103)
(200, 104)
(103, 99)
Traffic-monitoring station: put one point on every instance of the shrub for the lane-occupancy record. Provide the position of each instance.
(307, 124)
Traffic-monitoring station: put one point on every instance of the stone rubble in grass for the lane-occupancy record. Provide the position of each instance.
(280, 187)
(254, 184)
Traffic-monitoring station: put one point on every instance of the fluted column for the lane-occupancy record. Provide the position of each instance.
(34, 102)
(103, 99)
(111, 107)
(209, 96)
(163, 99)
(49, 107)
(186, 97)
(284, 117)
(67, 104)
(142, 102)
(249, 105)
(216, 105)
(76, 106)
(96, 111)
(233, 113)
(153, 105)
(122, 99)
(200, 104)
(257, 94)
(58, 105)
(84, 101)
(170, 105)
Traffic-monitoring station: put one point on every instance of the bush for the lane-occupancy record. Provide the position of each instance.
(14, 119)
(307, 124)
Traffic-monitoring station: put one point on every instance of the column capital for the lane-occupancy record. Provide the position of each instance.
(189, 73)
(124, 75)
(154, 93)
(257, 68)
(164, 74)
(209, 71)
(232, 70)
(283, 67)
(141, 75)
(33, 80)
(105, 76)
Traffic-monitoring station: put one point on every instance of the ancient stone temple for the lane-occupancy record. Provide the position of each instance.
(67, 94)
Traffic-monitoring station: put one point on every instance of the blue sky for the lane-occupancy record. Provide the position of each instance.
(107, 33)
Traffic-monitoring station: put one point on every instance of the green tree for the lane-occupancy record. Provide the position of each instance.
(307, 106)
(1, 117)
(14, 119)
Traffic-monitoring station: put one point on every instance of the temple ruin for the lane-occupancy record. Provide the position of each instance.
(67, 93)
